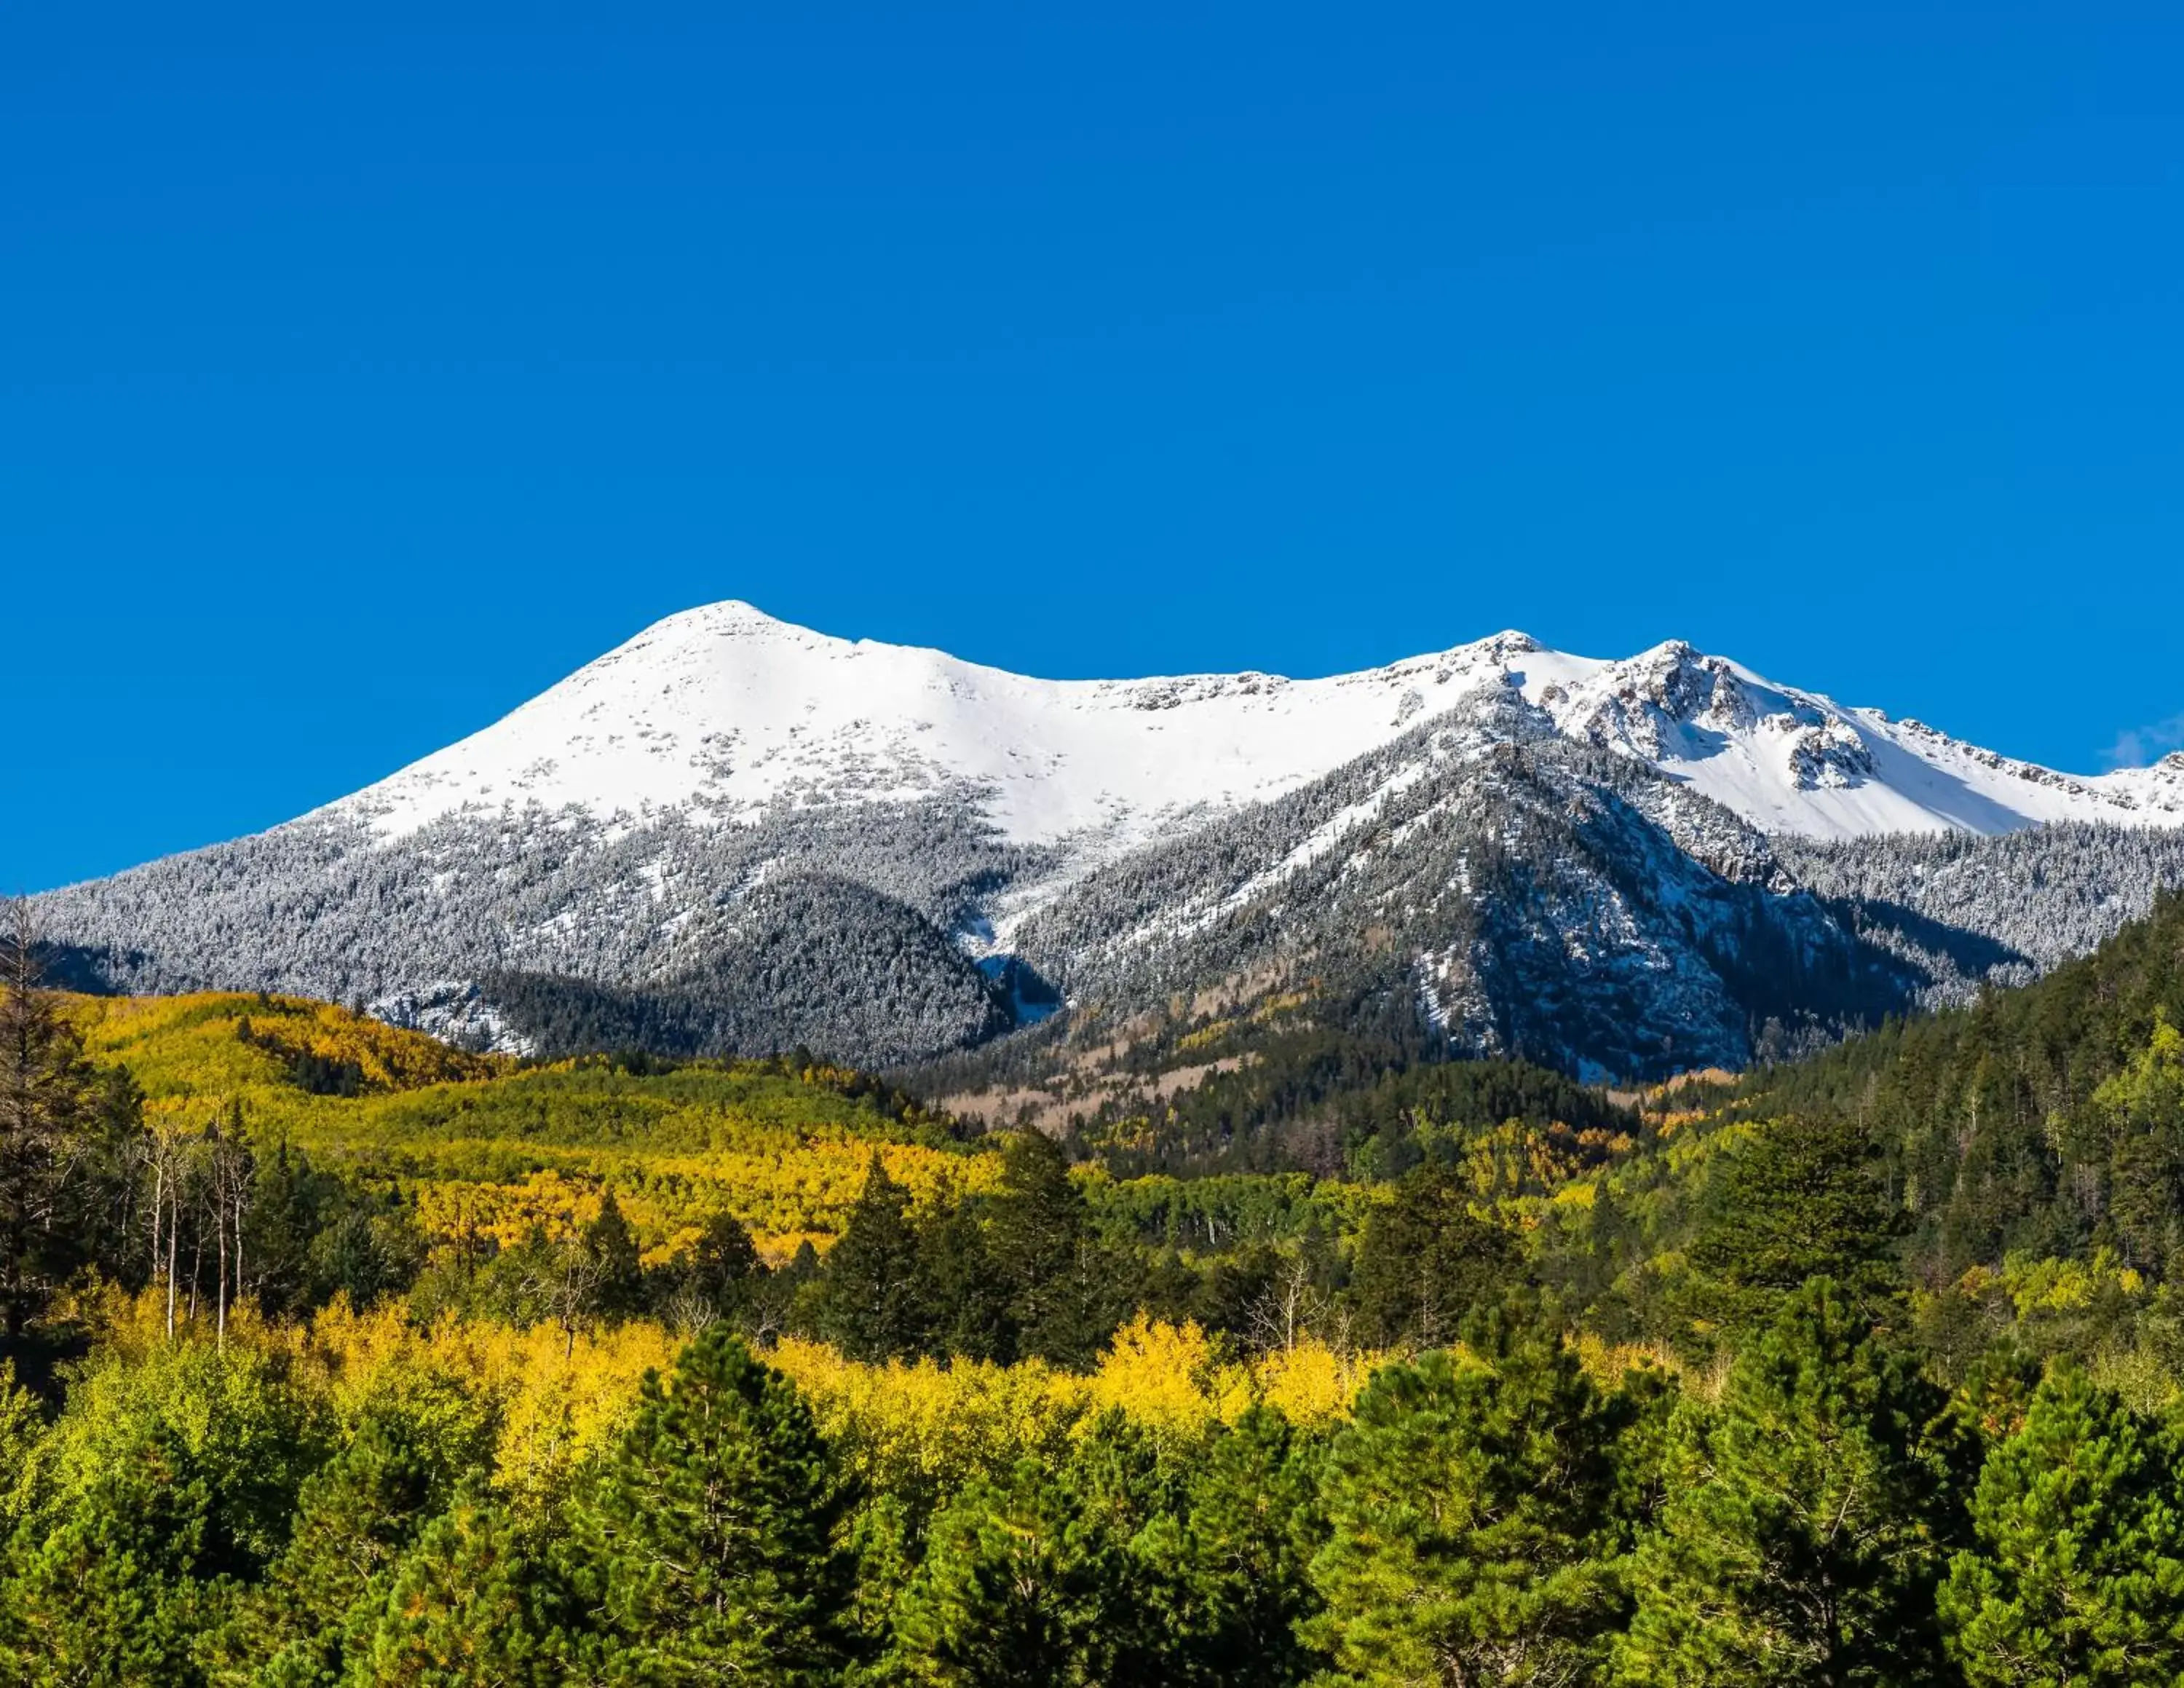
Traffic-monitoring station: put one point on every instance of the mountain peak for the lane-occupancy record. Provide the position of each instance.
(827, 841)
(724, 712)
(728, 616)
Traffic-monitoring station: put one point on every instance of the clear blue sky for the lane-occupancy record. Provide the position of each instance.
(363, 369)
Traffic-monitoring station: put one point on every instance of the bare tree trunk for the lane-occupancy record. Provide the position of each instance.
(219, 1230)
(242, 1194)
(173, 1227)
(159, 1205)
(230, 1192)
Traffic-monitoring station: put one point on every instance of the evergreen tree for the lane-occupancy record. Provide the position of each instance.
(708, 1539)
(788, 1299)
(1806, 1521)
(966, 1298)
(2139, 1113)
(1643, 1410)
(1237, 1287)
(169, 1479)
(1803, 1201)
(1017, 1590)
(871, 1301)
(1468, 1507)
(287, 1201)
(1426, 1260)
(1067, 1293)
(363, 1254)
(59, 1141)
(356, 1517)
(886, 1533)
(22, 1433)
(618, 1280)
(114, 1593)
(1126, 1490)
(721, 1265)
(2078, 1573)
(1243, 1558)
(475, 1602)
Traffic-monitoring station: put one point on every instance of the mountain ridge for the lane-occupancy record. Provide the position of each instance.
(726, 711)
(734, 834)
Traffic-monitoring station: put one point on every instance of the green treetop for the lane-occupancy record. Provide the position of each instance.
(2078, 1574)
(1805, 1521)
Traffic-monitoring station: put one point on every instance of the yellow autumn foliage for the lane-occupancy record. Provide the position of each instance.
(186, 1048)
(1169, 1378)
(485, 1147)
(555, 1399)
(552, 1399)
(783, 1196)
(1608, 1363)
(911, 1424)
(1313, 1383)
(558, 1398)
(907, 1423)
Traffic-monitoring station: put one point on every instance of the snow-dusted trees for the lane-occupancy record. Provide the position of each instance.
(1539, 895)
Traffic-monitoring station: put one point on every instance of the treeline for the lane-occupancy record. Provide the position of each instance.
(1033, 1273)
(1045, 1266)
(1491, 1513)
(1328, 1098)
(1346, 1081)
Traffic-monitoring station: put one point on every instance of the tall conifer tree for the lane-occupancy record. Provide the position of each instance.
(709, 1539)
(1468, 1511)
(872, 1299)
(1807, 1519)
(2078, 1573)
(476, 1601)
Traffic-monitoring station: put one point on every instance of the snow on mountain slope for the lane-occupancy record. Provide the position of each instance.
(1795, 762)
(724, 712)
(735, 835)
(731, 712)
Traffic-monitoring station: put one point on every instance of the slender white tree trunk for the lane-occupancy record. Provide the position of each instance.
(219, 1292)
(174, 1226)
(159, 1213)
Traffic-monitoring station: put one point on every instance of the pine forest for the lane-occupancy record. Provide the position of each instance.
(338, 1355)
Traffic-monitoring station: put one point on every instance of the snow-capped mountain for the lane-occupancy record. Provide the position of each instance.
(731, 833)
(726, 712)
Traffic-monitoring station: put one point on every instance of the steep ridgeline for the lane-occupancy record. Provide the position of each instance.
(734, 834)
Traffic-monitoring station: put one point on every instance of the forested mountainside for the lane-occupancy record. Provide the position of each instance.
(2042, 1122)
(731, 837)
(2000, 909)
(413, 927)
(1588, 939)
(334, 1353)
